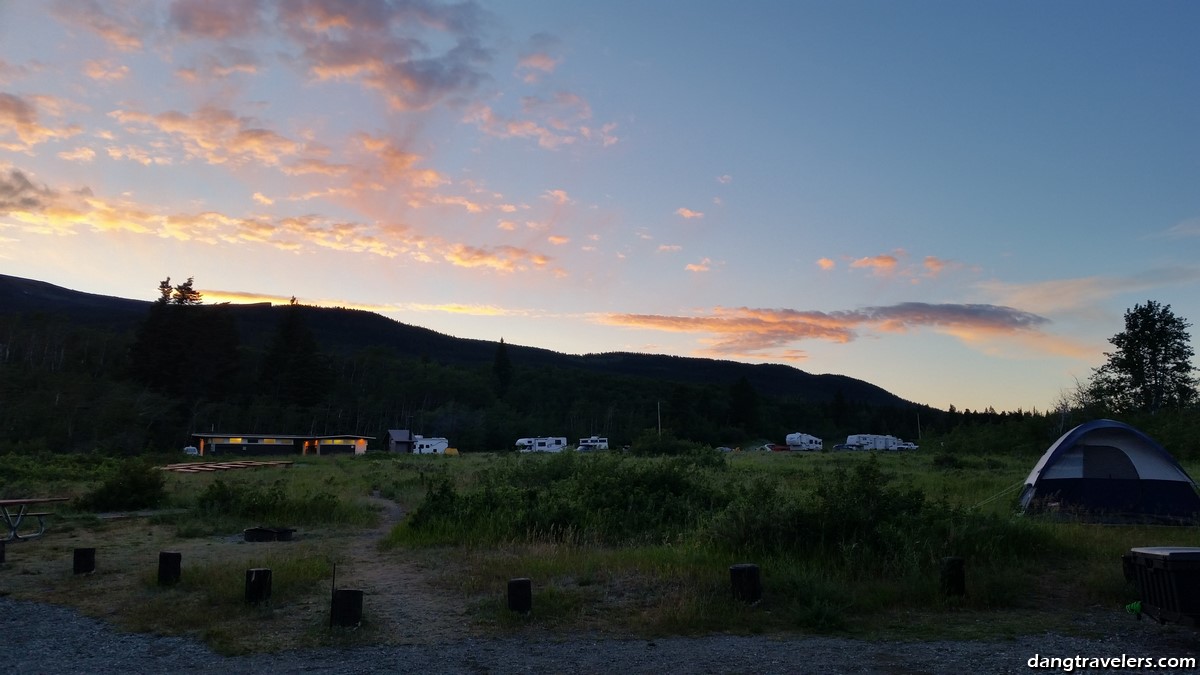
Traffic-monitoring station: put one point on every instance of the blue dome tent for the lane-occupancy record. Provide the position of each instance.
(1109, 472)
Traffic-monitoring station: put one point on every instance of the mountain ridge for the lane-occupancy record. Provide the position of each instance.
(349, 330)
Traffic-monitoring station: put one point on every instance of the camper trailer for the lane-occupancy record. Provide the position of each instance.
(429, 446)
(872, 442)
(592, 443)
(543, 444)
(799, 441)
(876, 442)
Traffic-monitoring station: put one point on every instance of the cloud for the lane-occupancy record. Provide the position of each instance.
(558, 240)
(263, 199)
(216, 19)
(1184, 229)
(669, 248)
(688, 213)
(119, 24)
(1073, 295)
(725, 179)
(105, 71)
(214, 135)
(219, 63)
(40, 209)
(702, 266)
(536, 60)
(21, 118)
(18, 193)
(81, 154)
(499, 258)
(415, 54)
(826, 263)
(553, 122)
(881, 265)
(770, 333)
(559, 197)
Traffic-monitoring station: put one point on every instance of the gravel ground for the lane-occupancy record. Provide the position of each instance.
(40, 638)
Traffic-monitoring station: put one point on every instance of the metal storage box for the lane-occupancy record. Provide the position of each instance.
(1168, 582)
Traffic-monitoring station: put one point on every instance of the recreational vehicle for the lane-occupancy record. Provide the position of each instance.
(877, 442)
(592, 443)
(429, 446)
(543, 444)
(799, 441)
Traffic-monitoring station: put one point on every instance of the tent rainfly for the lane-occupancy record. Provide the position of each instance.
(1109, 472)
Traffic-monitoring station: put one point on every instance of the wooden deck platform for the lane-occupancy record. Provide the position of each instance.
(209, 467)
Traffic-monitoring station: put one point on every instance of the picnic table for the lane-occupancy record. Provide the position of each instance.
(15, 511)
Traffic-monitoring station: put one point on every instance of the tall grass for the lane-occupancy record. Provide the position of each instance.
(837, 537)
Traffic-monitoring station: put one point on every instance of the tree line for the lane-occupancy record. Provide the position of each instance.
(186, 368)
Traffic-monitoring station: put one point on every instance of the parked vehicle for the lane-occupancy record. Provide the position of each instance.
(877, 442)
(542, 444)
(799, 441)
(592, 443)
(429, 446)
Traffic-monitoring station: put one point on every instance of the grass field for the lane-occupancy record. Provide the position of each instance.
(846, 543)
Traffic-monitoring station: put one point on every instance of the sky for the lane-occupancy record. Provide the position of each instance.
(956, 201)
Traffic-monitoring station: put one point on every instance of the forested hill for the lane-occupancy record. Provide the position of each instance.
(87, 372)
(346, 331)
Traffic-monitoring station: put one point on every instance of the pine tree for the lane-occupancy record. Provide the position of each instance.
(502, 369)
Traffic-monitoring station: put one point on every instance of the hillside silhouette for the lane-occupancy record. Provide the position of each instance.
(86, 371)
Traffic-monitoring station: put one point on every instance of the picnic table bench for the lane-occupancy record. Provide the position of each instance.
(14, 512)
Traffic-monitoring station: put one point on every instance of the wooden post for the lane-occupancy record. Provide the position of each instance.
(1, 551)
(346, 608)
(520, 595)
(258, 584)
(168, 567)
(747, 585)
(85, 560)
(954, 576)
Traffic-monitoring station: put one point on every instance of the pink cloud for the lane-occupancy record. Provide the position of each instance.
(688, 213)
(881, 264)
(21, 118)
(746, 331)
(826, 263)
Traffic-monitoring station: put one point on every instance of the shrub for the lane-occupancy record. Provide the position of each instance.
(135, 484)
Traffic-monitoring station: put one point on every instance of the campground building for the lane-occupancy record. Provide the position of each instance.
(279, 444)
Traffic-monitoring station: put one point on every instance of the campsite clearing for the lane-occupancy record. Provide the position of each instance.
(677, 585)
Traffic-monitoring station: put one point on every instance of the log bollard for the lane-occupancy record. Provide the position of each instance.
(747, 586)
(954, 576)
(520, 595)
(1, 551)
(168, 567)
(258, 584)
(85, 560)
(346, 608)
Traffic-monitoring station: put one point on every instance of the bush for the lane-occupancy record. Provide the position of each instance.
(135, 484)
(605, 498)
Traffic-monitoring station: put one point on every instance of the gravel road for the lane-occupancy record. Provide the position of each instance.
(41, 638)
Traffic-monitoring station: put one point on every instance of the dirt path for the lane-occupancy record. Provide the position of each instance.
(402, 600)
(399, 594)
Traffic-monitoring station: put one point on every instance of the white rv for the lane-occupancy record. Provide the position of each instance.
(799, 441)
(877, 442)
(429, 446)
(592, 443)
(543, 444)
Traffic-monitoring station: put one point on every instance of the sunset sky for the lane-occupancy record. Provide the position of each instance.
(956, 201)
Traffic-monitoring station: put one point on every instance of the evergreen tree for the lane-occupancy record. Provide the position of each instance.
(1151, 368)
(294, 369)
(502, 369)
(743, 404)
